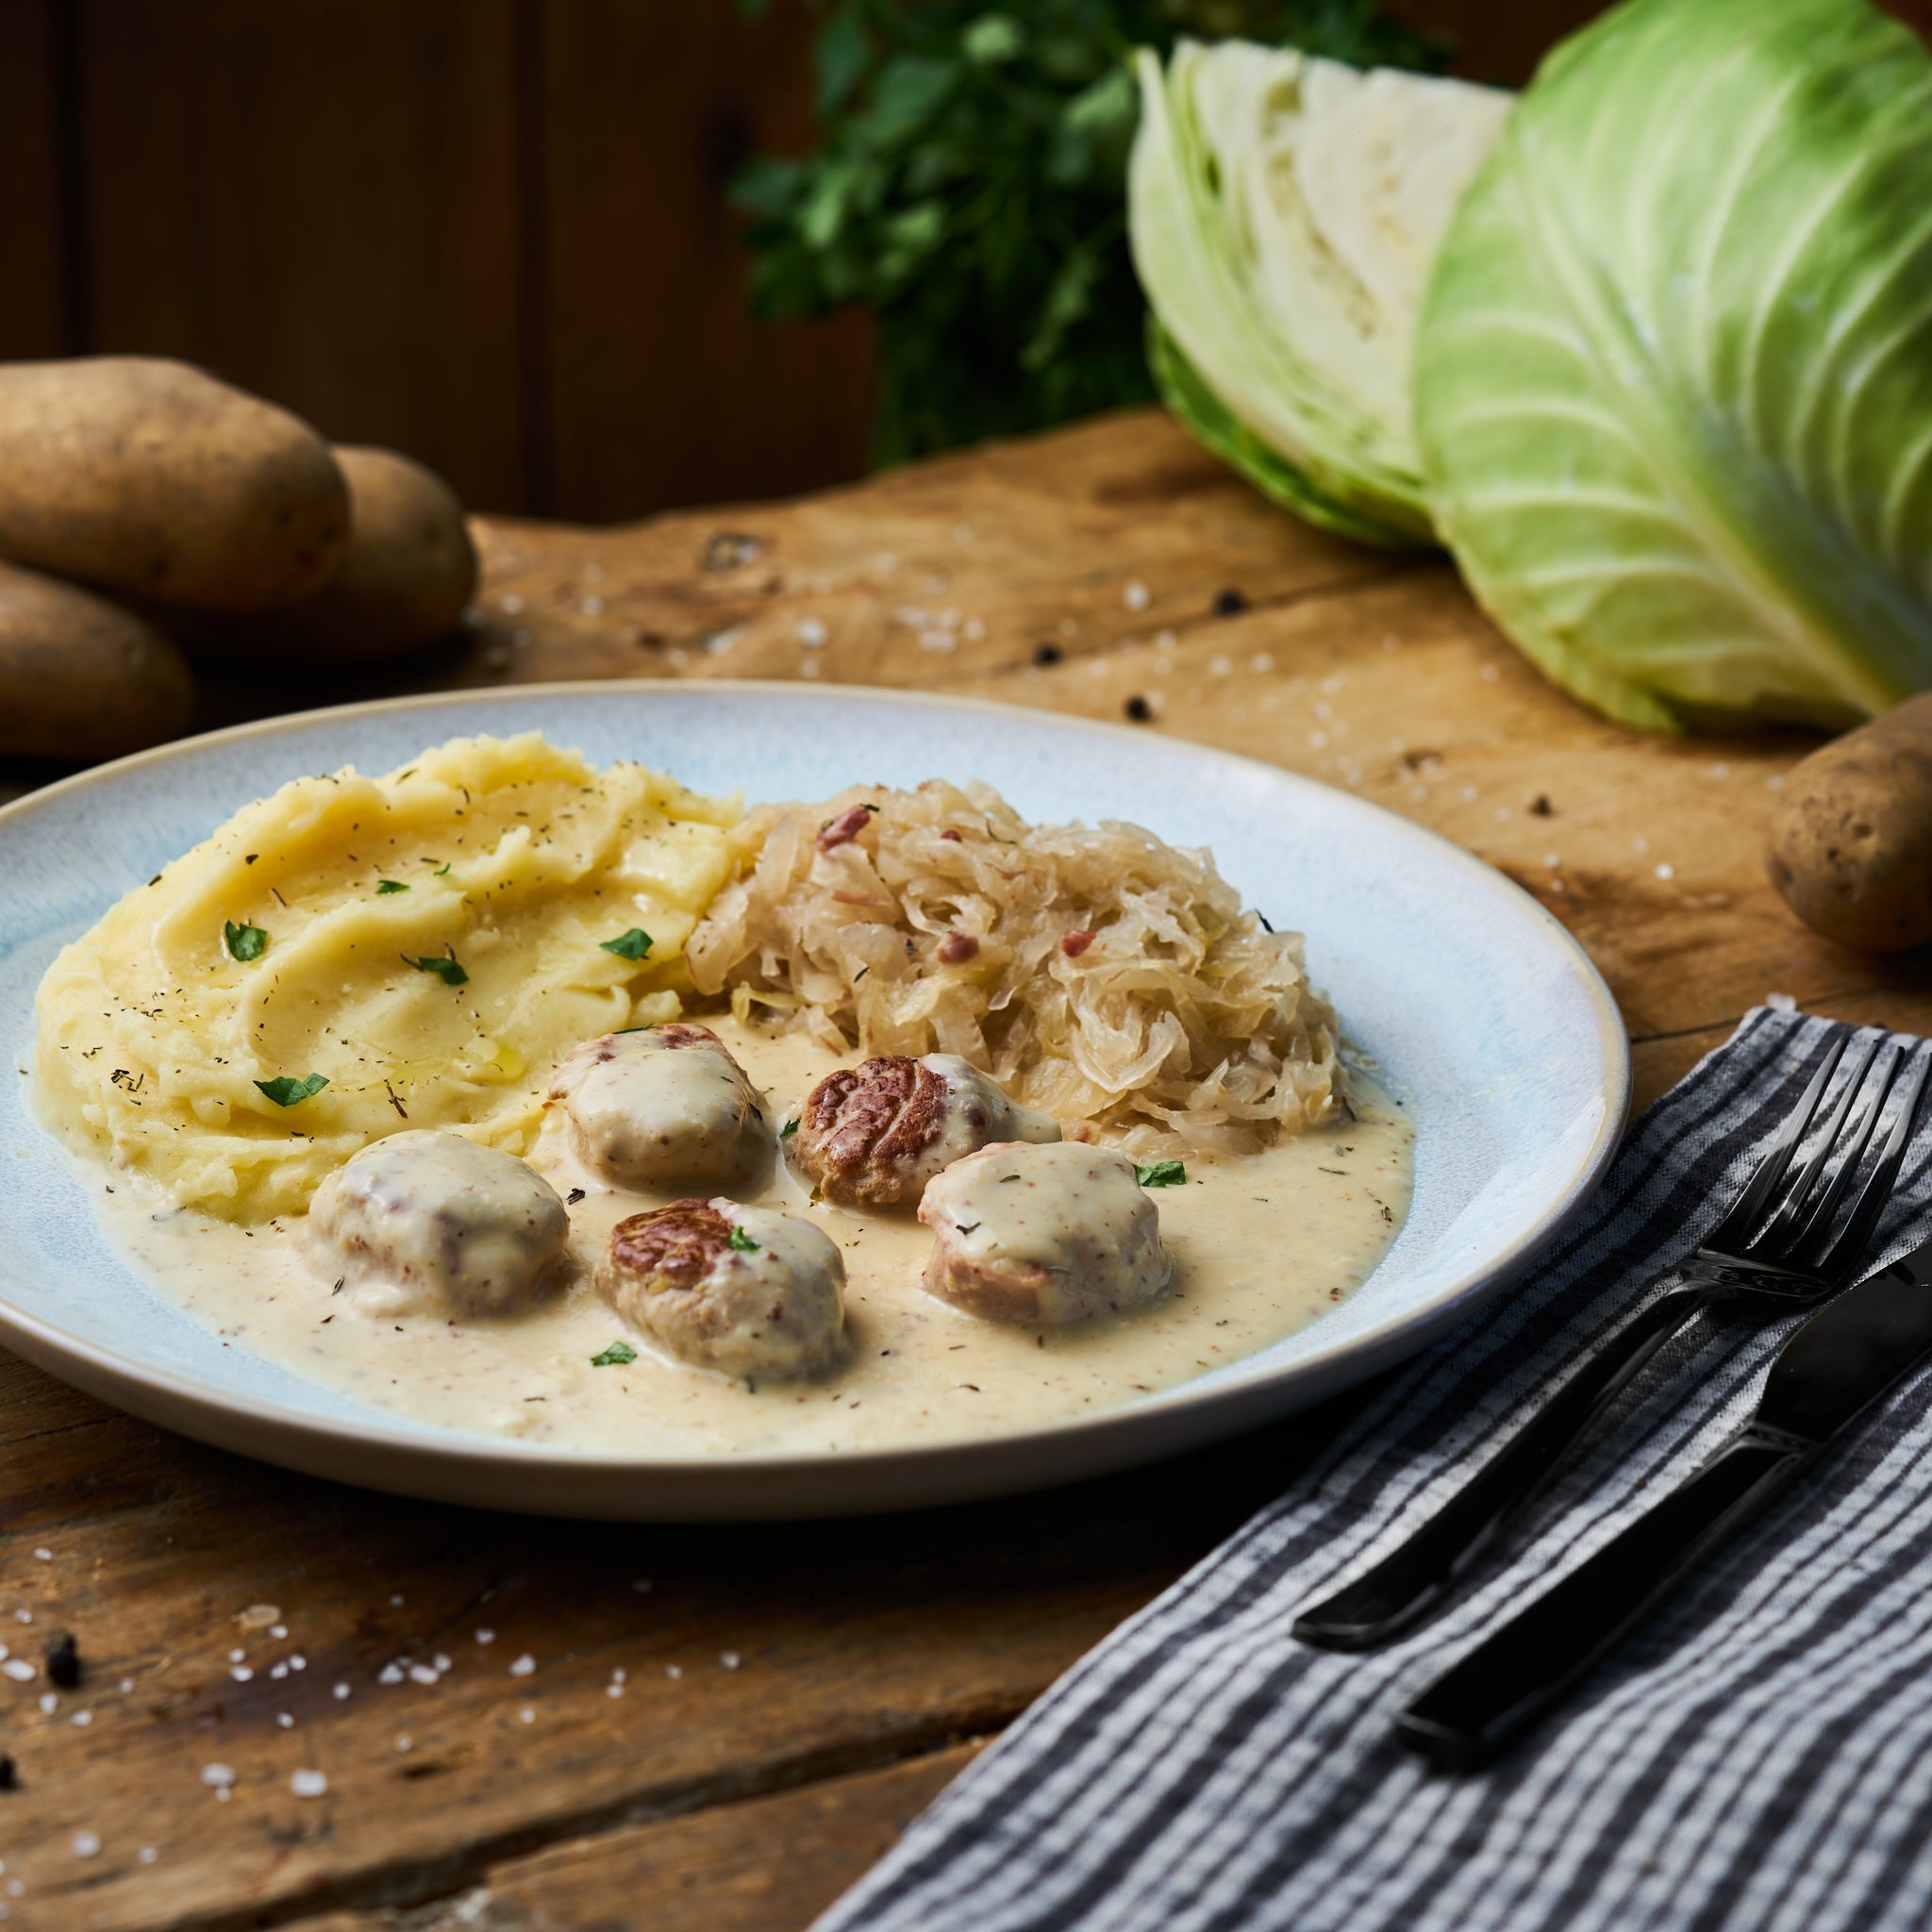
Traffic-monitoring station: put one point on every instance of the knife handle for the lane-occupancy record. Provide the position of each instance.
(1518, 1672)
(1409, 1583)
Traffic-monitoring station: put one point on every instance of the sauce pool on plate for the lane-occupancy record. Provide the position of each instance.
(1262, 1246)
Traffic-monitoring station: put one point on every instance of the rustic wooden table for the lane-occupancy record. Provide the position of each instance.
(527, 1724)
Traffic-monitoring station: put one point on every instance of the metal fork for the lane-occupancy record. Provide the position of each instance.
(1767, 1260)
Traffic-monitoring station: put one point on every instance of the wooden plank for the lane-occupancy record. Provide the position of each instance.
(317, 200)
(758, 1658)
(661, 387)
(858, 1644)
(34, 204)
(769, 1865)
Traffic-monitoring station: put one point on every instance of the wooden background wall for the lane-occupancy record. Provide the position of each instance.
(490, 232)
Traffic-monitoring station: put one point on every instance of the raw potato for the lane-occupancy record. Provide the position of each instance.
(152, 479)
(80, 678)
(1850, 846)
(406, 577)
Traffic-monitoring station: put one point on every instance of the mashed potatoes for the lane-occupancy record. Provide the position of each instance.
(354, 956)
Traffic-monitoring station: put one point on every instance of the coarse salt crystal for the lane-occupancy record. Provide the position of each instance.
(404, 1741)
(219, 1775)
(308, 1784)
(591, 607)
(729, 1659)
(396, 1601)
(83, 1718)
(485, 1637)
(390, 1673)
(1261, 660)
(49, 1703)
(509, 604)
(1667, 871)
(235, 1657)
(126, 1683)
(342, 1693)
(147, 1855)
(1134, 594)
(812, 633)
(613, 1690)
(285, 1721)
(278, 1670)
(18, 1669)
(278, 1631)
(298, 1662)
(24, 1616)
(241, 1674)
(441, 1661)
(45, 1555)
(526, 1716)
(421, 1673)
(674, 1671)
(86, 1843)
(524, 1665)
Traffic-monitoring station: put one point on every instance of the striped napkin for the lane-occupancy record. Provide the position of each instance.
(1757, 1755)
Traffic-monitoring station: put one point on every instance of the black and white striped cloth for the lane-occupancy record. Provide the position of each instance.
(1759, 1754)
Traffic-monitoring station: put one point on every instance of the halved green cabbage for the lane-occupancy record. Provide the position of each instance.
(1285, 211)
(1673, 376)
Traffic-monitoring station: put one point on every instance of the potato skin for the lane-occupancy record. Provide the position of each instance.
(80, 678)
(151, 479)
(1850, 842)
(408, 574)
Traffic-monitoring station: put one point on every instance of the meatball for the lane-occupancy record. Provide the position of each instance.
(745, 1289)
(874, 1136)
(430, 1222)
(664, 1106)
(1043, 1235)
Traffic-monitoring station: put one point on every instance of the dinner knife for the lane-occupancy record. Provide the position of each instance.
(1847, 1355)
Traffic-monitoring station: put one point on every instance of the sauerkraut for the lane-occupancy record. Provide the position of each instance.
(1098, 974)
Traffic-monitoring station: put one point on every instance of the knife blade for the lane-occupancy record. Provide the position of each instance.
(1842, 1361)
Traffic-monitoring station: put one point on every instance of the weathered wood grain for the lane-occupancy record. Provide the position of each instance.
(767, 1865)
(860, 1646)
(751, 1660)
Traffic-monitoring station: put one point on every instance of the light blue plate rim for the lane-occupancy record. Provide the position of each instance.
(1522, 973)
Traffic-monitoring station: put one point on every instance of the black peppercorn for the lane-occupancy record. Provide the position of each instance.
(1139, 709)
(1229, 603)
(10, 1772)
(63, 1659)
(1048, 653)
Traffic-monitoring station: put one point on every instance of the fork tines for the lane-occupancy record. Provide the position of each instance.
(1799, 1234)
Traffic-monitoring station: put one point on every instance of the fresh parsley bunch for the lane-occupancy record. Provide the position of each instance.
(971, 188)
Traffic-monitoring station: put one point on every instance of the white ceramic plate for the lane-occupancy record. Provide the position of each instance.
(1485, 1015)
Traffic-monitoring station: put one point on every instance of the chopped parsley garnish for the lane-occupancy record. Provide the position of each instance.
(445, 970)
(633, 944)
(786, 1132)
(245, 943)
(742, 1242)
(284, 1090)
(614, 1356)
(1164, 1174)
(442, 870)
(383, 886)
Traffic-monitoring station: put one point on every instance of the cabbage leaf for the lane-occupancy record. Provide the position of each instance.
(1674, 370)
(1285, 211)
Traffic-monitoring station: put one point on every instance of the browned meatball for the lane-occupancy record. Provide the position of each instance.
(1043, 1235)
(745, 1289)
(426, 1220)
(661, 1106)
(875, 1134)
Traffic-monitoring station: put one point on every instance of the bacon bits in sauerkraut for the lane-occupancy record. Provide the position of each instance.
(1112, 979)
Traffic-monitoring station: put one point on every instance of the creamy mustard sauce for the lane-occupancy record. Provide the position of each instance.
(1262, 1246)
